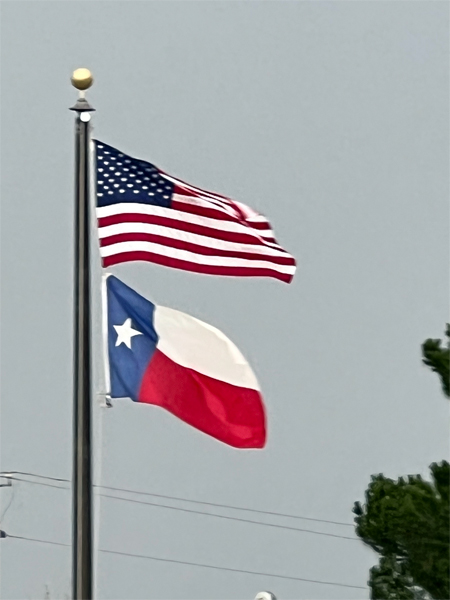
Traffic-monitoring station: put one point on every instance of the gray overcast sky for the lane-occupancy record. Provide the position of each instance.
(332, 119)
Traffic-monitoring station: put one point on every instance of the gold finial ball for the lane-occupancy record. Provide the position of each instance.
(82, 79)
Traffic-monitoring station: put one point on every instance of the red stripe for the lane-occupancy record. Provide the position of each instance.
(184, 191)
(196, 193)
(193, 247)
(231, 414)
(223, 205)
(218, 234)
(215, 212)
(193, 188)
(176, 263)
(203, 211)
(262, 225)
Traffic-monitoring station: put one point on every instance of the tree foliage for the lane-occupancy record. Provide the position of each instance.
(438, 359)
(390, 580)
(407, 521)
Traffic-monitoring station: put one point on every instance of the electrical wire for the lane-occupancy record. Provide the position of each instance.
(262, 512)
(21, 537)
(7, 506)
(198, 512)
(194, 564)
(181, 499)
(8, 473)
(58, 487)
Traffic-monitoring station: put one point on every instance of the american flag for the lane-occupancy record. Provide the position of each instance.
(146, 214)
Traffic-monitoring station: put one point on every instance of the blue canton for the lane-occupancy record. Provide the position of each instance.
(121, 178)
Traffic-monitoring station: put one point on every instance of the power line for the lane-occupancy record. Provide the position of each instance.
(58, 487)
(178, 498)
(428, 540)
(8, 505)
(198, 512)
(20, 537)
(194, 564)
(9, 473)
(181, 499)
(262, 512)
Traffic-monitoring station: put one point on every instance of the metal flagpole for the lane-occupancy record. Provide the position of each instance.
(82, 576)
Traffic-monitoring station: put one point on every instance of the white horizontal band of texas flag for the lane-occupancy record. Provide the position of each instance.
(146, 214)
(167, 358)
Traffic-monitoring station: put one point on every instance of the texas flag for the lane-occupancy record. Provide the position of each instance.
(164, 357)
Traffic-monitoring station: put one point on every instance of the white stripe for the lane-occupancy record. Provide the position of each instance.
(257, 219)
(177, 215)
(201, 347)
(186, 255)
(205, 193)
(229, 210)
(213, 198)
(265, 233)
(212, 202)
(186, 236)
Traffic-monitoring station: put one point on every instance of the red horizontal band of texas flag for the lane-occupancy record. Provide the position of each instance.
(146, 214)
(229, 413)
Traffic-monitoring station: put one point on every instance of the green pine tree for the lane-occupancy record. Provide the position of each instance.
(437, 358)
(407, 521)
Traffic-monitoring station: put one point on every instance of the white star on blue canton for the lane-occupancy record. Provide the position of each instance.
(125, 332)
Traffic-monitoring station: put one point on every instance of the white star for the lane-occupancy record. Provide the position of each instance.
(125, 332)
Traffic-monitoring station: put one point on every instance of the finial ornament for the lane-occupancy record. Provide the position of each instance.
(82, 79)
